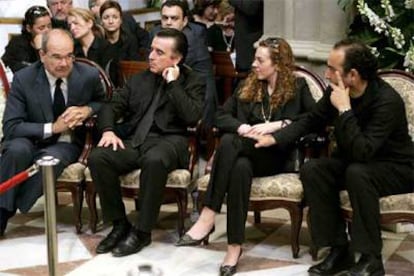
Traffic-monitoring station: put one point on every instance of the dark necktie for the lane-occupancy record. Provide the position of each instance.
(58, 100)
(145, 124)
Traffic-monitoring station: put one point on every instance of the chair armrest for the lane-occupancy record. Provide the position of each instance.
(88, 145)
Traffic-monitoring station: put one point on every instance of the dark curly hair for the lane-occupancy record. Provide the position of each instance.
(282, 56)
(201, 5)
(359, 57)
(30, 16)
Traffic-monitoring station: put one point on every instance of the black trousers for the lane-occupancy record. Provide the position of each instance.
(19, 154)
(322, 181)
(156, 158)
(236, 162)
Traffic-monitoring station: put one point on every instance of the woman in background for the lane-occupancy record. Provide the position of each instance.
(22, 50)
(220, 36)
(122, 45)
(87, 43)
(269, 99)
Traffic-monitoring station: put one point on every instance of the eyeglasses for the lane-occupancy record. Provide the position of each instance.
(59, 58)
(37, 11)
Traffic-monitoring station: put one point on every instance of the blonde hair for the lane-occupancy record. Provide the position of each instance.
(85, 14)
(282, 56)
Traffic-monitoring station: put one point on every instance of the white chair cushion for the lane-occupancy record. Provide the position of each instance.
(180, 178)
(388, 204)
(285, 186)
(73, 173)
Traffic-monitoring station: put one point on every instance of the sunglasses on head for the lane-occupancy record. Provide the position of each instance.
(272, 42)
(37, 11)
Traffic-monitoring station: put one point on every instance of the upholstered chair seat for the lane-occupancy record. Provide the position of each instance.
(268, 188)
(394, 204)
(176, 179)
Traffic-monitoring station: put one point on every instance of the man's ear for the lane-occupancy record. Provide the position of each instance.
(178, 59)
(354, 74)
(42, 55)
(185, 20)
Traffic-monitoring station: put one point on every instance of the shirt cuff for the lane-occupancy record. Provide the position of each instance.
(47, 130)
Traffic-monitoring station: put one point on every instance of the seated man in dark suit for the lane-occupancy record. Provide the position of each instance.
(174, 14)
(47, 104)
(157, 106)
(374, 158)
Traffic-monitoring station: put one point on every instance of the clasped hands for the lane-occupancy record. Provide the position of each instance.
(72, 117)
(262, 132)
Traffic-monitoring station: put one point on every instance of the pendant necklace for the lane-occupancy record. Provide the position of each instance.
(228, 43)
(267, 119)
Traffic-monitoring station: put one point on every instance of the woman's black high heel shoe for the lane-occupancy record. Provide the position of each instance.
(187, 240)
(228, 270)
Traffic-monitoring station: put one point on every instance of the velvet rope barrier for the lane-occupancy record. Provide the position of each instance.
(18, 178)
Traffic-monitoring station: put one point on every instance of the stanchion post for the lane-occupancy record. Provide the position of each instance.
(47, 164)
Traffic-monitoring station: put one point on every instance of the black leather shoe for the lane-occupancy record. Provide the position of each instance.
(118, 233)
(338, 259)
(228, 270)
(5, 215)
(133, 243)
(368, 265)
(187, 240)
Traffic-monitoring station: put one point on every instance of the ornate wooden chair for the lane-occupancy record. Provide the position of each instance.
(283, 190)
(394, 208)
(72, 177)
(179, 181)
(128, 67)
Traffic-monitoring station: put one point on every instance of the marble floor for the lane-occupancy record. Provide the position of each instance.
(267, 250)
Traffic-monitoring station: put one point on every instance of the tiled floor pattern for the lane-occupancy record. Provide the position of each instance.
(267, 250)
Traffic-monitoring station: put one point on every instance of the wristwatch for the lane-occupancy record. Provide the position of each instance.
(342, 111)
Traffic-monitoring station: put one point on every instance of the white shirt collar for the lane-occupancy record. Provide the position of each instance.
(52, 79)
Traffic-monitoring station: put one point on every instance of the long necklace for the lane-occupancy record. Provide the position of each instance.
(267, 119)
(228, 43)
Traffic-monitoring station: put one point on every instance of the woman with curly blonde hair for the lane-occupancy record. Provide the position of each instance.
(270, 98)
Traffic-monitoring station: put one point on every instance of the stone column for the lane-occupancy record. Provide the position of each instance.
(310, 26)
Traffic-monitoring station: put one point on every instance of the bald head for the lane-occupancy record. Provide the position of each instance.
(57, 53)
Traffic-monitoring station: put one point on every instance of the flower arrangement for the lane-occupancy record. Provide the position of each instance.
(387, 26)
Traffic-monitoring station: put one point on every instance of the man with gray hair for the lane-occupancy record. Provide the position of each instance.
(59, 9)
(45, 110)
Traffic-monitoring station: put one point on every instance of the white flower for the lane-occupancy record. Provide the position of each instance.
(409, 4)
(385, 27)
(389, 11)
(409, 59)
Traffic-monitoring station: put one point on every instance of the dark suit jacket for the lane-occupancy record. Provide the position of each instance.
(180, 106)
(248, 29)
(235, 112)
(199, 59)
(374, 130)
(19, 53)
(29, 103)
(97, 52)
